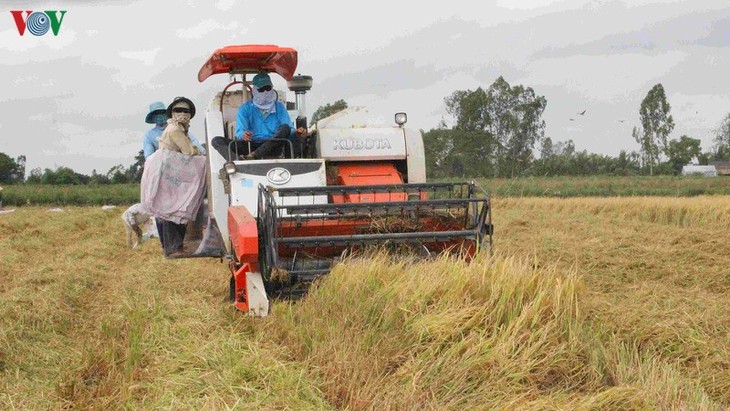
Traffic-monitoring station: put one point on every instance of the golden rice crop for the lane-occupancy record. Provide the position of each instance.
(658, 283)
(589, 304)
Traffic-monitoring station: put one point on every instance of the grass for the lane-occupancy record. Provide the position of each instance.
(563, 187)
(606, 186)
(589, 304)
(64, 195)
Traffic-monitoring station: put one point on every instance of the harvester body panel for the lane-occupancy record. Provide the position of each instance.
(275, 173)
(352, 144)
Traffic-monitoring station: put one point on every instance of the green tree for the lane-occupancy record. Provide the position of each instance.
(117, 174)
(328, 110)
(682, 151)
(722, 140)
(644, 145)
(62, 175)
(458, 153)
(7, 169)
(656, 123)
(134, 173)
(20, 169)
(511, 115)
(35, 176)
(628, 163)
(546, 149)
(97, 178)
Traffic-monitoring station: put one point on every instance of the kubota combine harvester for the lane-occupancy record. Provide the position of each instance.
(286, 221)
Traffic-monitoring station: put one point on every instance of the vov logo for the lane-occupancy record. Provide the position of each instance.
(38, 22)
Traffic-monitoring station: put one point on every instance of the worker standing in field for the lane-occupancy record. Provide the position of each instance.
(176, 138)
(259, 121)
(157, 115)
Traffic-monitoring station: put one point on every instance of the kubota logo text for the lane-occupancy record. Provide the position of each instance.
(360, 144)
(38, 22)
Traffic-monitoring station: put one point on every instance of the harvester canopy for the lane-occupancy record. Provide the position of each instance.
(250, 59)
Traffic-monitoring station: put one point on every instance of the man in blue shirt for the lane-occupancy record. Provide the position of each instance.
(264, 123)
(157, 115)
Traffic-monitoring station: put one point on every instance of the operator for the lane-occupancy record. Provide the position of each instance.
(261, 120)
(157, 115)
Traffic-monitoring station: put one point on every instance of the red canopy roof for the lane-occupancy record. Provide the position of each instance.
(251, 59)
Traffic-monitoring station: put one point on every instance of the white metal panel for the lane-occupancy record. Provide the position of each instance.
(356, 117)
(361, 144)
(258, 302)
(217, 198)
(244, 186)
(416, 160)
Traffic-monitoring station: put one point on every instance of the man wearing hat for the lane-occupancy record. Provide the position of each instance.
(157, 115)
(260, 120)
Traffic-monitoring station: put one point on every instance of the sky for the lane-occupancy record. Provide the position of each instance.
(79, 99)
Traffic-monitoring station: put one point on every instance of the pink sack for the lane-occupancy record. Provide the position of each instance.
(173, 185)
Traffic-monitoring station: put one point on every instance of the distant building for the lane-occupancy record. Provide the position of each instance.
(707, 171)
(722, 167)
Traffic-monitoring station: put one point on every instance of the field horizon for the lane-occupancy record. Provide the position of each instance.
(559, 186)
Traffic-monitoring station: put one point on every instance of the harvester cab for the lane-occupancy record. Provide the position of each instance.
(286, 221)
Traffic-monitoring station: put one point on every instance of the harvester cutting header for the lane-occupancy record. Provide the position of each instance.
(286, 219)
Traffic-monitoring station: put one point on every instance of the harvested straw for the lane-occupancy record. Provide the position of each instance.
(279, 275)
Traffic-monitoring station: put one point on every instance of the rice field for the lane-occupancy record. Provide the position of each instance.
(561, 187)
(588, 304)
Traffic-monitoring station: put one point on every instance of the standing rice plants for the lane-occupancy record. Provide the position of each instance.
(65, 195)
(606, 186)
(656, 270)
(500, 333)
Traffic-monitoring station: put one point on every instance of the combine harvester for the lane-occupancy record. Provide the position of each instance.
(289, 220)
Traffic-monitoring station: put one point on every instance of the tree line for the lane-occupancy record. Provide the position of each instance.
(497, 132)
(12, 171)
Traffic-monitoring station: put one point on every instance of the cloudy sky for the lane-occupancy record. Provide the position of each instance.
(79, 99)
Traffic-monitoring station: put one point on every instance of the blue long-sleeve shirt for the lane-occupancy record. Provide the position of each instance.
(151, 141)
(263, 127)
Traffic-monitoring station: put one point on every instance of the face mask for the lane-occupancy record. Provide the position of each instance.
(264, 99)
(160, 119)
(181, 118)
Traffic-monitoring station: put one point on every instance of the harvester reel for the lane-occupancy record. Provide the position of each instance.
(301, 239)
